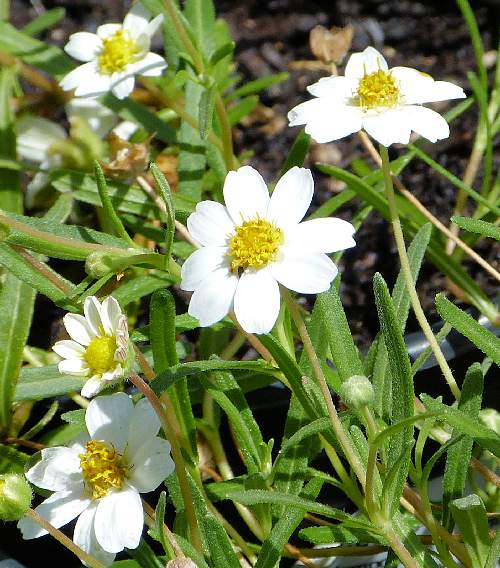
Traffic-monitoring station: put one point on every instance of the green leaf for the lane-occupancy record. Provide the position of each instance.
(206, 111)
(339, 533)
(38, 383)
(470, 515)
(160, 519)
(460, 421)
(142, 284)
(75, 417)
(458, 456)
(242, 109)
(201, 15)
(344, 352)
(222, 52)
(192, 161)
(469, 327)
(494, 553)
(298, 152)
(477, 226)
(402, 391)
(12, 460)
(169, 377)
(258, 85)
(382, 378)
(272, 547)
(46, 20)
(163, 343)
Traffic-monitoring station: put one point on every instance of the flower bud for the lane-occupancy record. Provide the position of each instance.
(491, 419)
(15, 496)
(357, 391)
(98, 264)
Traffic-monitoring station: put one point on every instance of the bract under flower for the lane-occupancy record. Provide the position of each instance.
(99, 478)
(256, 242)
(98, 346)
(114, 55)
(384, 102)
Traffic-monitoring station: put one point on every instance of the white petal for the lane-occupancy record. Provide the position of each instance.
(322, 235)
(68, 349)
(123, 86)
(59, 509)
(365, 63)
(245, 194)
(110, 315)
(152, 464)
(155, 24)
(152, 65)
(107, 419)
(86, 80)
(76, 367)
(92, 313)
(291, 197)
(78, 328)
(143, 427)
(257, 301)
(334, 88)
(427, 123)
(125, 129)
(92, 386)
(213, 299)
(200, 264)
(306, 111)
(388, 127)
(35, 136)
(58, 470)
(119, 520)
(83, 46)
(307, 273)
(107, 30)
(210, 224)
(137, 20)
(100, 118)
(84, 536)
(417, 87)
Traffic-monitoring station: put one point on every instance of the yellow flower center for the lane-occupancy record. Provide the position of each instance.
(118, 51)
(100, 354)
(255, 244)
(379, 89)
(102, 468)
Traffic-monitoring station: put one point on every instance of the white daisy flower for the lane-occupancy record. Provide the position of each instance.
(385, 103)
(114, 55)
(98, 347)
(100, 477)
(256, 242)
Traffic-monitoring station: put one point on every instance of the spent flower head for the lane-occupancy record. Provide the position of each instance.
(256, 242)
(98, 347)
(384, 102)
(99, 478)
(114, 55)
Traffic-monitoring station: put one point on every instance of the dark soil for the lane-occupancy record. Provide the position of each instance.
(430, 36)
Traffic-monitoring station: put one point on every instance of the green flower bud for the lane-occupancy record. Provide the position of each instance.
(357, 392)
(491, 419)
(15, 496)
(99, 264)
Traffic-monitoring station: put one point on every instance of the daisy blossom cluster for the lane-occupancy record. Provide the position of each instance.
(384, 102)
(100, 476)
(255, 243)
(99, 344)
(114, 55)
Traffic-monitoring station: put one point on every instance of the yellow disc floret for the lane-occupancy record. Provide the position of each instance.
(118, 51)
(102, 468)
(100, 354)
(378, 89)
(255, 244)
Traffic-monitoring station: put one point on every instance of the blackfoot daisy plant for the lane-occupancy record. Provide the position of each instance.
(99, 345)
(114, 55)
(256, 242)
(384, 102)
(100, 477)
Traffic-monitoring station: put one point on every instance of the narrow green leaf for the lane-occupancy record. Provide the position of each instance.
(298, 152)
(460, 421)
(201, 16)
(477, 226)
(38, 383)
(206, 111)
(344, 352)
(222, 52)
(258, 85)
(494, 553)
(242, 108)
(160, 519)
(469, 327)
(458, 456)
(12, 460)
(470, 515)
(339, 533)
(45, 20)
(272, 547)
(402, 391)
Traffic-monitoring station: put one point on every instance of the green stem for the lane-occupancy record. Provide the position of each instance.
(405, 268)
(341, 434)
(64, 540)
(168, 419)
